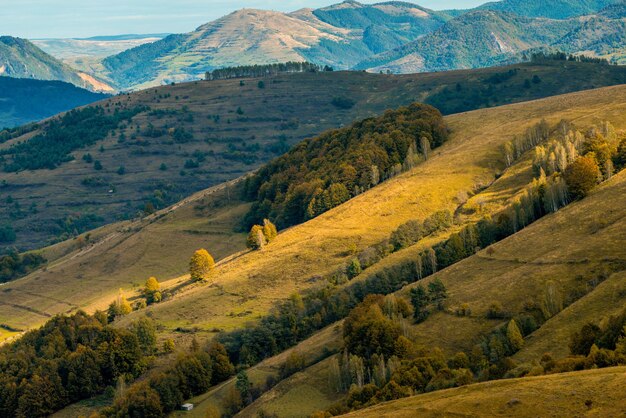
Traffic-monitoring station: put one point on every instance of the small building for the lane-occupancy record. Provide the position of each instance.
(186, 406)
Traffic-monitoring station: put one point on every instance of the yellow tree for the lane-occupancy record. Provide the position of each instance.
(269, 230)
(201, 264)
(256, 238)
(119, 307)
(152, 290)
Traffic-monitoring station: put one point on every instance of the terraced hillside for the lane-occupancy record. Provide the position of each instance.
(197, 135)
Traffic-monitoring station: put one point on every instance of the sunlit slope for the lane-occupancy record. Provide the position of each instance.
(597, 393)
(247, 286)
(515, 274)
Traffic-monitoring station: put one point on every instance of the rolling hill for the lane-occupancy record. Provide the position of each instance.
(197, 135)
(24, 100)
(489, 37)
(466, 176)
(517, 270)
(339, 36)
(19, 58)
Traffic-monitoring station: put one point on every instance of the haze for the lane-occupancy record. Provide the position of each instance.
(79, 18)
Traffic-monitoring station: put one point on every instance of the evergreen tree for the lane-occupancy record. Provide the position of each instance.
(437, 293)
(420, 301)
(200, 265)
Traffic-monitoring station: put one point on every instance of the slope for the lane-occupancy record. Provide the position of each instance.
(19, 58)
(597, 392)
(23, 101)
(196, 135)
(487, 37)
(581, 252)
(553, 9)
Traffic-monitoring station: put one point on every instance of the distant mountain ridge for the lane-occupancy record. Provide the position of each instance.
(20, 58)
(487, 37)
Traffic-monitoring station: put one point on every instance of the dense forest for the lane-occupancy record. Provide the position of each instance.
(264, 70)
(321, 173)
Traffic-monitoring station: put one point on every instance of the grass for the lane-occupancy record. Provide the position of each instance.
(587, 393)
(583, 238)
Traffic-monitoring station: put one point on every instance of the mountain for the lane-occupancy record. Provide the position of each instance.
(484, 37)
(190, 136)
(20, 58)
(552, 9)
(339, 36)
(25, 100)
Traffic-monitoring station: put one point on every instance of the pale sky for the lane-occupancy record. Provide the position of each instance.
(84, 18)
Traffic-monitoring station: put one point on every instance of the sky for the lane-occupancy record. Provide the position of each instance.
(34, 19)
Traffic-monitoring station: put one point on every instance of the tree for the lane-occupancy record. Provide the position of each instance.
(354, 268)
(222, 367)
(269, 230)
(119, 307)
(261, 84)
(145, 331)
(200, 265)
(420, 301)
(437, 293)
(139, 401)
(256, 238)
(243, 385)
(152, 290)
(581, 176)
(516, 341)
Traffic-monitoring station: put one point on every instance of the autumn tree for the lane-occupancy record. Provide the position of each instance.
(582, 175)
(200, 265)
(119, 307)
(152, 290)
(269, 230)
(513, 334)
(256, 238)
(354, 268)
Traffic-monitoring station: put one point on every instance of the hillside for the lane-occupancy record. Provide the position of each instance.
(198, 139)
(518, 270)
(488, 37)
(24, 100)
(338, 36)
(20, 58)
(466, 171)
(553, 9)
(597, 392)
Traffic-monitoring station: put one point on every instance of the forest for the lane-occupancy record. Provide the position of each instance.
(249, 71)
(323, 172)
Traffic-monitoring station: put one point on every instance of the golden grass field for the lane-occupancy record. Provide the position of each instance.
(590, 393)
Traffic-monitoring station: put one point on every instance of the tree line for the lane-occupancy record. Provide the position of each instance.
(15, 265)
(250, 71)
(321, 173)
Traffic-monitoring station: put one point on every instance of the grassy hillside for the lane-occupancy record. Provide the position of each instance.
(20, 58)
(592, 392)
(23, 101)
(520, 268)
(228, 129)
